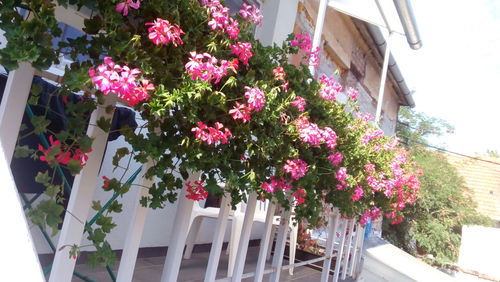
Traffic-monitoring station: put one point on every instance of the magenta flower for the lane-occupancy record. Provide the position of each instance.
(121, 80)
(242, 50)
(207, 68)
(352, 93)
(252, 13)
(302, 41)
(255, 97)
(241, 111)
(335, 158)
(276, 184)
(221, 19)
(341, 174)
(329, 137)
(297, 168)
(314, 57)
(300, 103)
(279, 73)
(329, 88)
(162, 32)
(309, 132)
(196, 192)
(122, 7)
(358, 194)
(212, 135)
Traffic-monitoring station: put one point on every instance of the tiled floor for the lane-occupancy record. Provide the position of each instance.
(149, 269)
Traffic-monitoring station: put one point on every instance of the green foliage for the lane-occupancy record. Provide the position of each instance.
(433, 225)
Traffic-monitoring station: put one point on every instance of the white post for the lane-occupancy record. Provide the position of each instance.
(220, 229)
(135, 229)
(278, 21)
(280, 245)
(333, 223)
(360, 255)
(264, 243)
(18, 256)
(81, 197)
(15, 96)
(318, 29)
(178, 237)
(350, 229)
(340, 252)
(383, 78)
(357, 245)
(241, 256)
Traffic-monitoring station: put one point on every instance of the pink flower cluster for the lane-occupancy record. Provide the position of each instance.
(121, 80)
(279, 74)
(221, 19)
(329, 88)
(62, 157)
(252, 13)
(335, 158)
(255, 97)
(374, 213)
(162, 32)
(297, 168)
(241, 111)
(207, 68)
(299, 196)
(122, 7)
(310, 133)
(341, 174)
(299, 103)
(372, 135)
(358, 193)
(276, 185)
(196, 192)
(352, 93)
(242, 50)
(314, 57)
(302, 41)
(211, 135)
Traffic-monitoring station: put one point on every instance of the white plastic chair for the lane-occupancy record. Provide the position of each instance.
(237, 218)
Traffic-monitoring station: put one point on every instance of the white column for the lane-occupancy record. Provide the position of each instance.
(15, 96)
(318, 29)
(81, 197)
(220, 229)
(278, 21)
(383, 77)
(18, 256)
(357, 245)
(280, 245)
(178, 237)
(350, 230)
(265, 242)
(135, 229)
(241, 254)
(333, 223)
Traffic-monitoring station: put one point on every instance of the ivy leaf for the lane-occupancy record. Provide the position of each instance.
(120, 153)
(52, 190)
(104, 124)
(85, 143)
(40, 123)
(43, 178)
(184, 173)
(106, 223)
(93, 25)
(115, 207)
(96, 205)
(74, 167)
(212, 187)
(97, 236)
(23, 151)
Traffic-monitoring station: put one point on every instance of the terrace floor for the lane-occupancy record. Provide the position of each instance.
(149, 269)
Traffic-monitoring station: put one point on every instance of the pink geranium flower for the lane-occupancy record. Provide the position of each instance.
(329, 88)
(122, 7)
(162, 32)
(243, 51)
(255, 97)
(252, 13)
(196, 192)
(241, 111)
(299, 196)
(212, 135)
(299, 103)
(297, 168)
(335, 158)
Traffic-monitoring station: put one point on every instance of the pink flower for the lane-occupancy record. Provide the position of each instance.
(105, 186)
(252, 13)
(300, 103)
(221, 19)
(299, 196)
(329, 137)
(309, 132)
(241, 111)
(297, 168)
(352, 93)
(122, 7)
(121, 80)
(207, 68)
(211, 135)
(279, 73)
(196, 192)
(335, 158)
(242, 50)
(276, 184)
(255, 97)
(372, 135)
(341, 174)
(162, 32)
(329, 88)
(302, 41)
(358, 193)
(314, 57)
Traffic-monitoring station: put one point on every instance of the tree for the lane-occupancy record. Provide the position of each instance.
(433, 225)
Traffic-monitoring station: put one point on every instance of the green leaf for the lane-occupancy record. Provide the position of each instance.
(40, 123)
(120, 153)
(96, 205)
(23, 151)
(115, 207)
(43, 178)
(74, 167)
(104, 124)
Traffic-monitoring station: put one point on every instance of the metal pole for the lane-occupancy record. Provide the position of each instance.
(318, 29)
(383, 78)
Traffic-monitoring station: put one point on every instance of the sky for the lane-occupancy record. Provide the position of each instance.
(456, 74)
